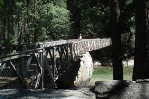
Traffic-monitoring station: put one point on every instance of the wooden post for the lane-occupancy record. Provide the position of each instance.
(54, 62)
(74, 51)
(71, 53)
(41, 56)
(61, 58)
(67, 56)
(22, 73)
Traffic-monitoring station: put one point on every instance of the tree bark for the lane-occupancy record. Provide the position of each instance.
(116, 40)
(141, 57)
(75, 17)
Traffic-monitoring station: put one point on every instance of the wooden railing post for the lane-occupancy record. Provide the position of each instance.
(41, 58)
(54, 62)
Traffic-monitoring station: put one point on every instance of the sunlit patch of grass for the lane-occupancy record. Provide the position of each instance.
(104, 73)
(102, 70)
(127, 71)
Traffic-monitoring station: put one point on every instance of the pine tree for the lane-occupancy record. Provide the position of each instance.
(116, 40)
(141, 57)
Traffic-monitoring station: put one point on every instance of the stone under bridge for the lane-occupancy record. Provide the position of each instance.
(46, 64)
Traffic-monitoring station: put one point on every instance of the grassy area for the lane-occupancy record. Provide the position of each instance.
(106, 73)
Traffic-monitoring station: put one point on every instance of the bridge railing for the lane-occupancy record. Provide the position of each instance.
(27, 66)
(85, 45)
(9, 49)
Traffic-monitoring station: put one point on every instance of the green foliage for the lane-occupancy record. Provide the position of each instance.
(1, 3)
(56, 21)
(127, 28)
(1, 13)
(50, 20)
(95, 19)
(13, 39)
(40, 20)
(59, 3)
(95, 22)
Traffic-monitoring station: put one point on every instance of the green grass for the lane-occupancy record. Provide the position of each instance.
(102, 73)
(127, 71)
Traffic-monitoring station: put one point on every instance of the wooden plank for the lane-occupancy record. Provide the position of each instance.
(7, 79)
(25, 70)
(15, 70)
(2, 67)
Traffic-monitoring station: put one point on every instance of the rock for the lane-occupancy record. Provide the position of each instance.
(142, 80)
(129, 62)
(97, 63)
(79, 75)
(119, 89)
(102, 87)
(81, 93)
(85, 71)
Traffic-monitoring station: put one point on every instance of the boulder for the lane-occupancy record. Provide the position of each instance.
(79, 74)
(121, 89)
(85, 71)
(81, 93)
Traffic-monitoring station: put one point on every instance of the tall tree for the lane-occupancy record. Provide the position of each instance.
(116, 40)
(141, 57)
(75, 17)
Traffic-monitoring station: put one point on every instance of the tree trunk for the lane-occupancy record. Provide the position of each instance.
(116, 40)
(75, 17)
(141, 57)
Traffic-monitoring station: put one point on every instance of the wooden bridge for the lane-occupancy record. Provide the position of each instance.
(32, 66)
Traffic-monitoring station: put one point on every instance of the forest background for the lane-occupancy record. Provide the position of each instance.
(33, 21)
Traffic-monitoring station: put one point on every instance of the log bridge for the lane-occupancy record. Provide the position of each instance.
(37, 65)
